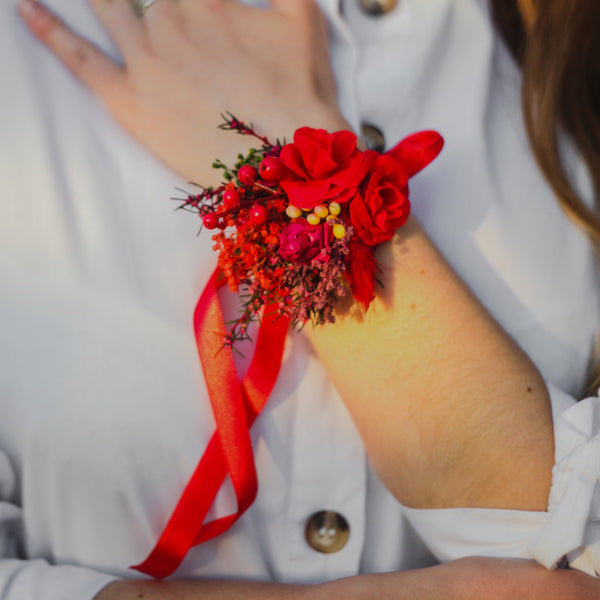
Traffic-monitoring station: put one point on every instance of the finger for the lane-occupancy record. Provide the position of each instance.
(125, 28)
(81, 57)
(163, 15)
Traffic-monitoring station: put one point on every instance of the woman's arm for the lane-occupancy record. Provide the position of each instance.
(452, 412)
(444, 400)
(432, 382)
(465, 579)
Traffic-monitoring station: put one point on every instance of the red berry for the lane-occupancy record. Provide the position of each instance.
(247, 174)
(231, 198)
(259, 214)
(271, 169)
(210, 220)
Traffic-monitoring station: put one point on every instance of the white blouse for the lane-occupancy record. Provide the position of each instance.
(103, 410)
(567, 533)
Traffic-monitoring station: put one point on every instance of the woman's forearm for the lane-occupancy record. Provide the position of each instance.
(452, 412)
(465, 579)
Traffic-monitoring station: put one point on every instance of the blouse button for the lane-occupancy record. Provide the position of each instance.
(372, 137)
(327, 531)
(377, 7)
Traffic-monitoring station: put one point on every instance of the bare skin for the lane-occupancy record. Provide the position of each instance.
(465, 579)
(447, 327)
(206, 55)
(443, 398)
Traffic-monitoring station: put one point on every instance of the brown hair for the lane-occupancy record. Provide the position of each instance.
(558, 46)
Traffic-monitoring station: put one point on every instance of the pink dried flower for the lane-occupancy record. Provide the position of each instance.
(302, 242)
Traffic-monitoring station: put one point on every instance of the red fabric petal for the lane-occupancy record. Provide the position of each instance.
(292, 159)
(416, 151)
(320, 163)
(305, 194)
(391, 169)
(361, 219)
(341, 195)
(343, 144)
(360, 272)
(308, 135)
(314, 147)
(349, 173)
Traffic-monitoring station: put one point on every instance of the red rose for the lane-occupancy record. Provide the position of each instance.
(321, 167)
(382, 204)
(302, 242)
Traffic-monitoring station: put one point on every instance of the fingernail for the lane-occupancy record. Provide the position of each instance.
(28, 8)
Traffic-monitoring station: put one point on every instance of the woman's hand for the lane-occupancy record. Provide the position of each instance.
(187, 62)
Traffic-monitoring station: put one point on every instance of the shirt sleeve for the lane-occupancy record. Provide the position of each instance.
(568, 532)
(35, 578)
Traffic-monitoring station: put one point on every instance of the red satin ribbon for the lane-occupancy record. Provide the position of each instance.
(235, 406)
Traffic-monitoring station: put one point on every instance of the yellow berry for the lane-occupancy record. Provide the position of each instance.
(313, 219)
(339, 231)
(321, 211)
(335, 209)
(293, 212)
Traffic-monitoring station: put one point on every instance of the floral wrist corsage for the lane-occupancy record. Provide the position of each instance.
(296, 224)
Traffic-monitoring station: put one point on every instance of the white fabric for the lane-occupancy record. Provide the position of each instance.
(570, 527)
(103, 412)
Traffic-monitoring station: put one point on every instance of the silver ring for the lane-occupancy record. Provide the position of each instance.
(141, 6)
